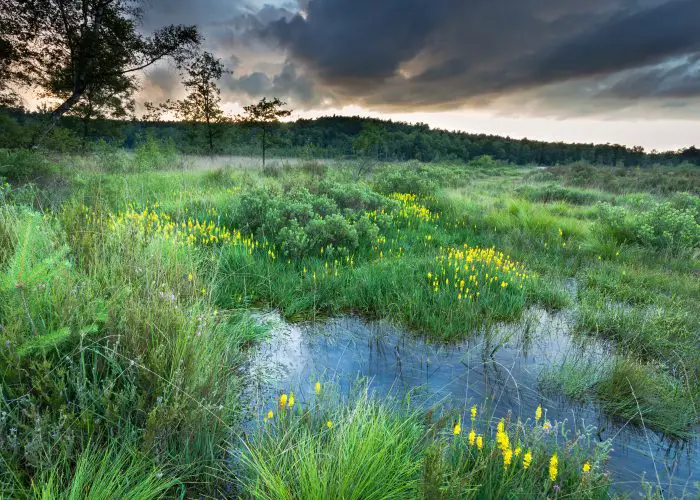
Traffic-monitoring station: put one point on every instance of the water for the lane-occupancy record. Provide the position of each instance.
(502, 369)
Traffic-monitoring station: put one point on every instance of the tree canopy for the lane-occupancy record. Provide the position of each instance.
(69, 48)
(264, 115)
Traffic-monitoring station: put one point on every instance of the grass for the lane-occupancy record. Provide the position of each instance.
(365, 449)
(125, 300)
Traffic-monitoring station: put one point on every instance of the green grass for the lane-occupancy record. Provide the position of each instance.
(120, 334)
(388, 450)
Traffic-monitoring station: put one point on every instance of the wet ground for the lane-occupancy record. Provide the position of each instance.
(503, 369)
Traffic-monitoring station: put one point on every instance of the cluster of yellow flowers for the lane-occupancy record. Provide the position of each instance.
(411, 210)
(286, 402)
(468, 270)
(190, 232)
(509, 452)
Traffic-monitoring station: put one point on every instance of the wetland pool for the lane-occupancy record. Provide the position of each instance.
(501, 370)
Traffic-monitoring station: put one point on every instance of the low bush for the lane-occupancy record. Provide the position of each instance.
(25, 165)
(662, 227)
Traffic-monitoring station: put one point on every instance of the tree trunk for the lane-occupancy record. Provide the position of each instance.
(264, 131)
(56, 115)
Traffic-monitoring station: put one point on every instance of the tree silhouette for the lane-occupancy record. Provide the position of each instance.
(264, 115)
(71, 47)
(203, 102)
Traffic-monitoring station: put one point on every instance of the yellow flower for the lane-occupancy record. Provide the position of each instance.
(190, 277)
(457, 429)
(291, 400)
(517, 451)
(586, 468)
(507, 457)
(479, 441)
(283, 400)
(553, 467)
(317, 387)
(527, 459)
(473, 413)
(270, 414)
(538, 413)
(472, 437)
(329, 424)
(501, 426)
(547, 426)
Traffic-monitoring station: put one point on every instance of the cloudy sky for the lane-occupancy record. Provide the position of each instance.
(624, 71)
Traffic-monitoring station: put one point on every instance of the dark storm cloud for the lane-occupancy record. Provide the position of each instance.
(442, 52)
(288, 83)
(678, 80)
(439, 54)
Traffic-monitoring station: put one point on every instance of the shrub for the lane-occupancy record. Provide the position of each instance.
(25, 165)
(661, 227)
(154, 155)
(553, 192)
(403, 180)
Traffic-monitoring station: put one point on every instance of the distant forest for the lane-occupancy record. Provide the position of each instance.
(326, 137)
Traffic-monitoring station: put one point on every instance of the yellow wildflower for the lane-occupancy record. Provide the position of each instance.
(190, 277)
(290, 403)
(457, 429)
(317, 387)
(538, 413)
(283, 400)
(547, 426)
(553, 467)
(517, 451)
(473, 413)
(329, 424)
(507, 457)
(479, 441)
(527, 459)
(586, 468)
(472, 437)
(270, 414)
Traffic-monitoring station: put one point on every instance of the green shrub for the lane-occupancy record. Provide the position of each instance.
(25, 165)
(154, 155)
(403, 179)
(299, 223)
(661, 227)
(554, 192)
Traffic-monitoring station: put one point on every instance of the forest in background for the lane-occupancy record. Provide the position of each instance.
(325, 137)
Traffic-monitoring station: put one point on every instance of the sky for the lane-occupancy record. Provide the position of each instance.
(618, 71)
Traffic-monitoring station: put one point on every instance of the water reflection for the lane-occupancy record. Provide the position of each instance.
(502, 369)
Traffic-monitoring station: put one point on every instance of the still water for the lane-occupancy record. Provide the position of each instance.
(502, 369)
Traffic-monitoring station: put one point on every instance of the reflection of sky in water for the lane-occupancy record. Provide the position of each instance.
(501, 370)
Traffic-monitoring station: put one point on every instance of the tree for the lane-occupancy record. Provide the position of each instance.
(203, 102)
(264, 115)
(97, 104)
(369, 141)
(69, 48)
(8, 57)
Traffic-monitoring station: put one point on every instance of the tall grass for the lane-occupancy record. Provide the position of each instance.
(120, 344)
(367, 449)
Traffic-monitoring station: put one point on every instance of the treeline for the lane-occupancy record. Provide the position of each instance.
(326, 137)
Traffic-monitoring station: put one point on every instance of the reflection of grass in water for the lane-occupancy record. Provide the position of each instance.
(624, 388)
